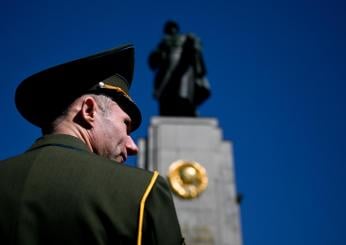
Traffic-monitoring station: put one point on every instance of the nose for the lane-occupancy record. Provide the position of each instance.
(131, 147)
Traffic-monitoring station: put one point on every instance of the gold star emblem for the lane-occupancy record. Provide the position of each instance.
(188, 179)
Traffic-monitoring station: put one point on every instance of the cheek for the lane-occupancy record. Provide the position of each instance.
(113, 133)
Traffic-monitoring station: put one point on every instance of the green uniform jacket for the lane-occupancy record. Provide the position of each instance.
(60, 193)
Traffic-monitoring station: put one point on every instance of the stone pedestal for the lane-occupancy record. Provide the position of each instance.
(213, 216)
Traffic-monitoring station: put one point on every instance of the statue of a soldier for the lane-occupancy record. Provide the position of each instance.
(180, 84)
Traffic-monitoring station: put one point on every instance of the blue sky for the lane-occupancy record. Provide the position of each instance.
(277, 71)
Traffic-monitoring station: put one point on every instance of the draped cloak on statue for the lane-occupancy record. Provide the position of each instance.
(180, 84)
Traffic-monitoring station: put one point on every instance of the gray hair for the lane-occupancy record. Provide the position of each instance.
(103, 102)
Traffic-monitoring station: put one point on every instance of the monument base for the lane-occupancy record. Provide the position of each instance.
(199, 166)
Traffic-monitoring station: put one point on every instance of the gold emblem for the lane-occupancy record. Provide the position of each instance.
(188, 179)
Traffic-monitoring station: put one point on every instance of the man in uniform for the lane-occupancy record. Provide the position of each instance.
(71, 187)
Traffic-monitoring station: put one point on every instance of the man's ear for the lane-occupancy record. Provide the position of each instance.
(88, 111)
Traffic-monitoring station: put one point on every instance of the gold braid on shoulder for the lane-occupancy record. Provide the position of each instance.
(142, 205)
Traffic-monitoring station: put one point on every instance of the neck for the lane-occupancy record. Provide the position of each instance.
(72, 128)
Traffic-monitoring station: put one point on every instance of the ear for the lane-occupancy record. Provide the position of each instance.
(88, 110)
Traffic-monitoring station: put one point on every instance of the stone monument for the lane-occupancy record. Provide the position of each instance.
(188, 150)
(198, 164)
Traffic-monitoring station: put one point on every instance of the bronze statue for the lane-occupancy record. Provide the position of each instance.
(180, 83)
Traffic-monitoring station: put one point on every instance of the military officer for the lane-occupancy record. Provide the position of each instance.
(71, 187)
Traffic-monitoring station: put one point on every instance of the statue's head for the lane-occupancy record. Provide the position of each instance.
(171, 27)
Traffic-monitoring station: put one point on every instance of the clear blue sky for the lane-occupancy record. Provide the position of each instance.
(277, 71)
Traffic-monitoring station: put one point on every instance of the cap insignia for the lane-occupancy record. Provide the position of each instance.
(117, 89)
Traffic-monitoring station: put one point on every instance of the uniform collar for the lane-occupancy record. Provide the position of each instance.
(63, 140)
